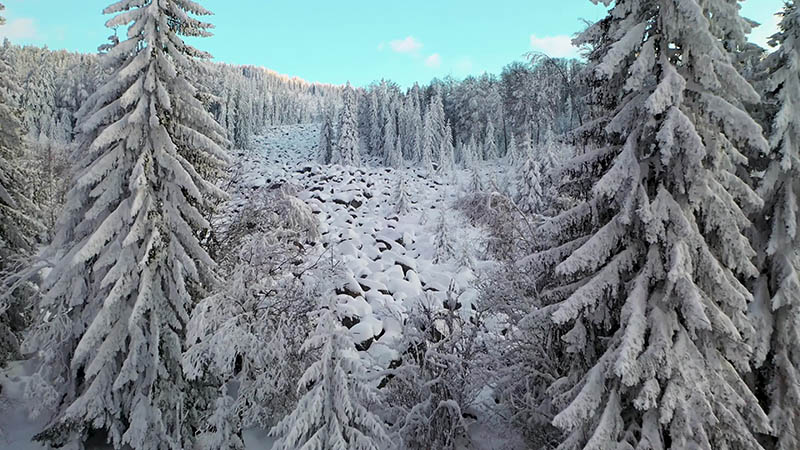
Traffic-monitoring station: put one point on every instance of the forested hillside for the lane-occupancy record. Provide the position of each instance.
(594, 253)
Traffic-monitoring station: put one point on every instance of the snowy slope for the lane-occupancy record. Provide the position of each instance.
(386, 255)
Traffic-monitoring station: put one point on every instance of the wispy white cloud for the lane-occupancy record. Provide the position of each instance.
(22, 28)
(555, 46)
(407, 45)
(434, 61)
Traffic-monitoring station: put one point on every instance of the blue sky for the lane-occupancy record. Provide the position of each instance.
(358, 40)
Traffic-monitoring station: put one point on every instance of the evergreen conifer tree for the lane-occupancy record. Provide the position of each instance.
(778, 308)
(491, 143)
(347, 147)
(333, 412)
(641, 279)
(128, 262)
(19, 225)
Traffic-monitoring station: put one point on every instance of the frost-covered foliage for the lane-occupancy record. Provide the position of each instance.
(431, 390)
(127, 259)
(526, 356)
(777, 312)
(499, 216)
(347, 150)
(19, 225)
(641, 279)
(333, 412)
(248, 333)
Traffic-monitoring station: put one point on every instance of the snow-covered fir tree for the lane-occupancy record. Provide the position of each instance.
(530, 195)
(389, 137)
(429, 139)
(447, 152)
(395, 157)
(402, 203)
(475, 183)
(347, 147)
(549, 153)
(641, 280)
(376, 126)
(127, 259)
(327, 139)
(435, 114)
(442, 242)
(19, 225)
(469, 154)
(410, 124)
(334, 411)
(778, 308)
(490, 148)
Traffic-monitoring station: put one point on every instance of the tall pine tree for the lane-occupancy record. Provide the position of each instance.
(18, 215)
(347, 151)
(641, 279)
(779, 294)
(128, 261)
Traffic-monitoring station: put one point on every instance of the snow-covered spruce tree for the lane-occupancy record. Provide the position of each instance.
(19, 225)
(375, 124)
(469, 155)
(389, 137)
(347, 147)
(549, 154)
(410, 123)
(327, 139)
(402, 202)
(779, 303)
(490, 150)
(641, 278)
(429, 140)
(127, 258)
(438, 123)
(395, 157)
(442, 242)
(530, 195)
(447, 152)
(333, 412)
